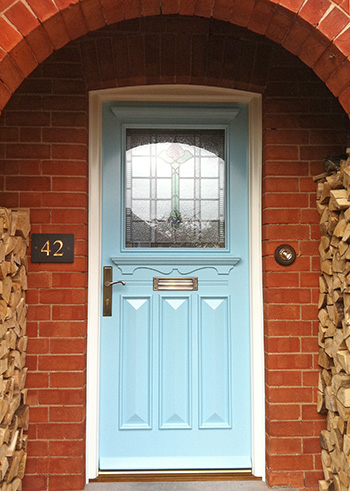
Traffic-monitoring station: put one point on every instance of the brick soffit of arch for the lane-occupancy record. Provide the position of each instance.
(317, 31)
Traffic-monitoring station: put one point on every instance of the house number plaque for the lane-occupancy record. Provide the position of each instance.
(52, 248)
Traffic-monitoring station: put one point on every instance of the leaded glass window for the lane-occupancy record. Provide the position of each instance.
(175, 188)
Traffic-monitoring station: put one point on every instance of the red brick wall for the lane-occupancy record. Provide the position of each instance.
(43, 163)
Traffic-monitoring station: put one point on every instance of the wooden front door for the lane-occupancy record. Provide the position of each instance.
(175, 353)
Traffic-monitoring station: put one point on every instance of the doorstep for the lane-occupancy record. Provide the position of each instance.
(185, 486)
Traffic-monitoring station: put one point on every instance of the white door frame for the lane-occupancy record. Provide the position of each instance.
(175, 93)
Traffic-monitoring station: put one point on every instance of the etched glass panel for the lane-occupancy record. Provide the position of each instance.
(175, 188)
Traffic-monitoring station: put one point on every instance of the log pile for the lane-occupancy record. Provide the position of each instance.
(14, 413)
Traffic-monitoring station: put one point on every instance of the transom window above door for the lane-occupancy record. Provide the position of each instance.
(175, 188)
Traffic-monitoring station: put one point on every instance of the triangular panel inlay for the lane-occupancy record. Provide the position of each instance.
(136, 302)
(174, 419)
(175, 303)
(214, 302)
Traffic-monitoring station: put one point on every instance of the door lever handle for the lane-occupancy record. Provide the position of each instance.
(110, 283)
(107, 290)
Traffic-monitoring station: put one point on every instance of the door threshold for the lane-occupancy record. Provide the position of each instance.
(173, 475)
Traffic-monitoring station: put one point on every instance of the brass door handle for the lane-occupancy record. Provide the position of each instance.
(110, 283)
(107, 290)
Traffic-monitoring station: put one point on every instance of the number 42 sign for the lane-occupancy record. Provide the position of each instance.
(52, 248)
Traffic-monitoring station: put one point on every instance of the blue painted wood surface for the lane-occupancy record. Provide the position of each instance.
(175, 366)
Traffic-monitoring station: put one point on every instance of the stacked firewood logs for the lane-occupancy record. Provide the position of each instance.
(14, 413)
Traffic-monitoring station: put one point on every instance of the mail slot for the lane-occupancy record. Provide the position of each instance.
(175, 284)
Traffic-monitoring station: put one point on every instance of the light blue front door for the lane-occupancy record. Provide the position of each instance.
(175, 353)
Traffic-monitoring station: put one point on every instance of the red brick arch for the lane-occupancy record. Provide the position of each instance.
(317, 31)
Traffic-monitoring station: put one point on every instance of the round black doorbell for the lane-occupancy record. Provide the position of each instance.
(285, 255)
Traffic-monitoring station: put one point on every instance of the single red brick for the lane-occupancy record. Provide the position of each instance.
(281, 216)
(283, 412)
(308, 216)
(69, 312)
(9, 37)
(63, 346)
(38, 448)
(61, 362)
(290, 428)
(62, 296)
(26, 150)
(65, 449)
(309, 412)
(93, 15)
(113, 11)
(338, 81)
(288, 395)
(30, 135)
(240, 16)
(74, 431)
(292, 479)
(62, 397)
(283, 378)
(64, 168)
(63, 329)
(288, 295)
(39, 312)
(309, 279)
(309, 312)
(311, 445)
(71, 481)
(32, 362)
(64, 414)
(67, 379)
(313, 477)
(281, 152)
(53, 200)
(292, 362)
(309, 345)
(310, 379)
(297, 35)
(37, 346)
(58, 465)
(10, 74)
(8, 135)
(261, 16)
(74, 152)
(66, 103)
(202, 9)
(286, 232)
(37, 482)
(56, 31)
(39, 414)
(291, 462)
(282, 345)
(286, 136)
(133, 8)
(74, 21)
(29, 199)
(280, 24)
(284, 446)
(37, 379)
(287, 279)
(39, 43)
(278, 184)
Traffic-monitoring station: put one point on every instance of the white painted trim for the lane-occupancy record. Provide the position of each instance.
(94, 288)
(175, 93)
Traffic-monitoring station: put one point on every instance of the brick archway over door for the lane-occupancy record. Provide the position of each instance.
(317, 31)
